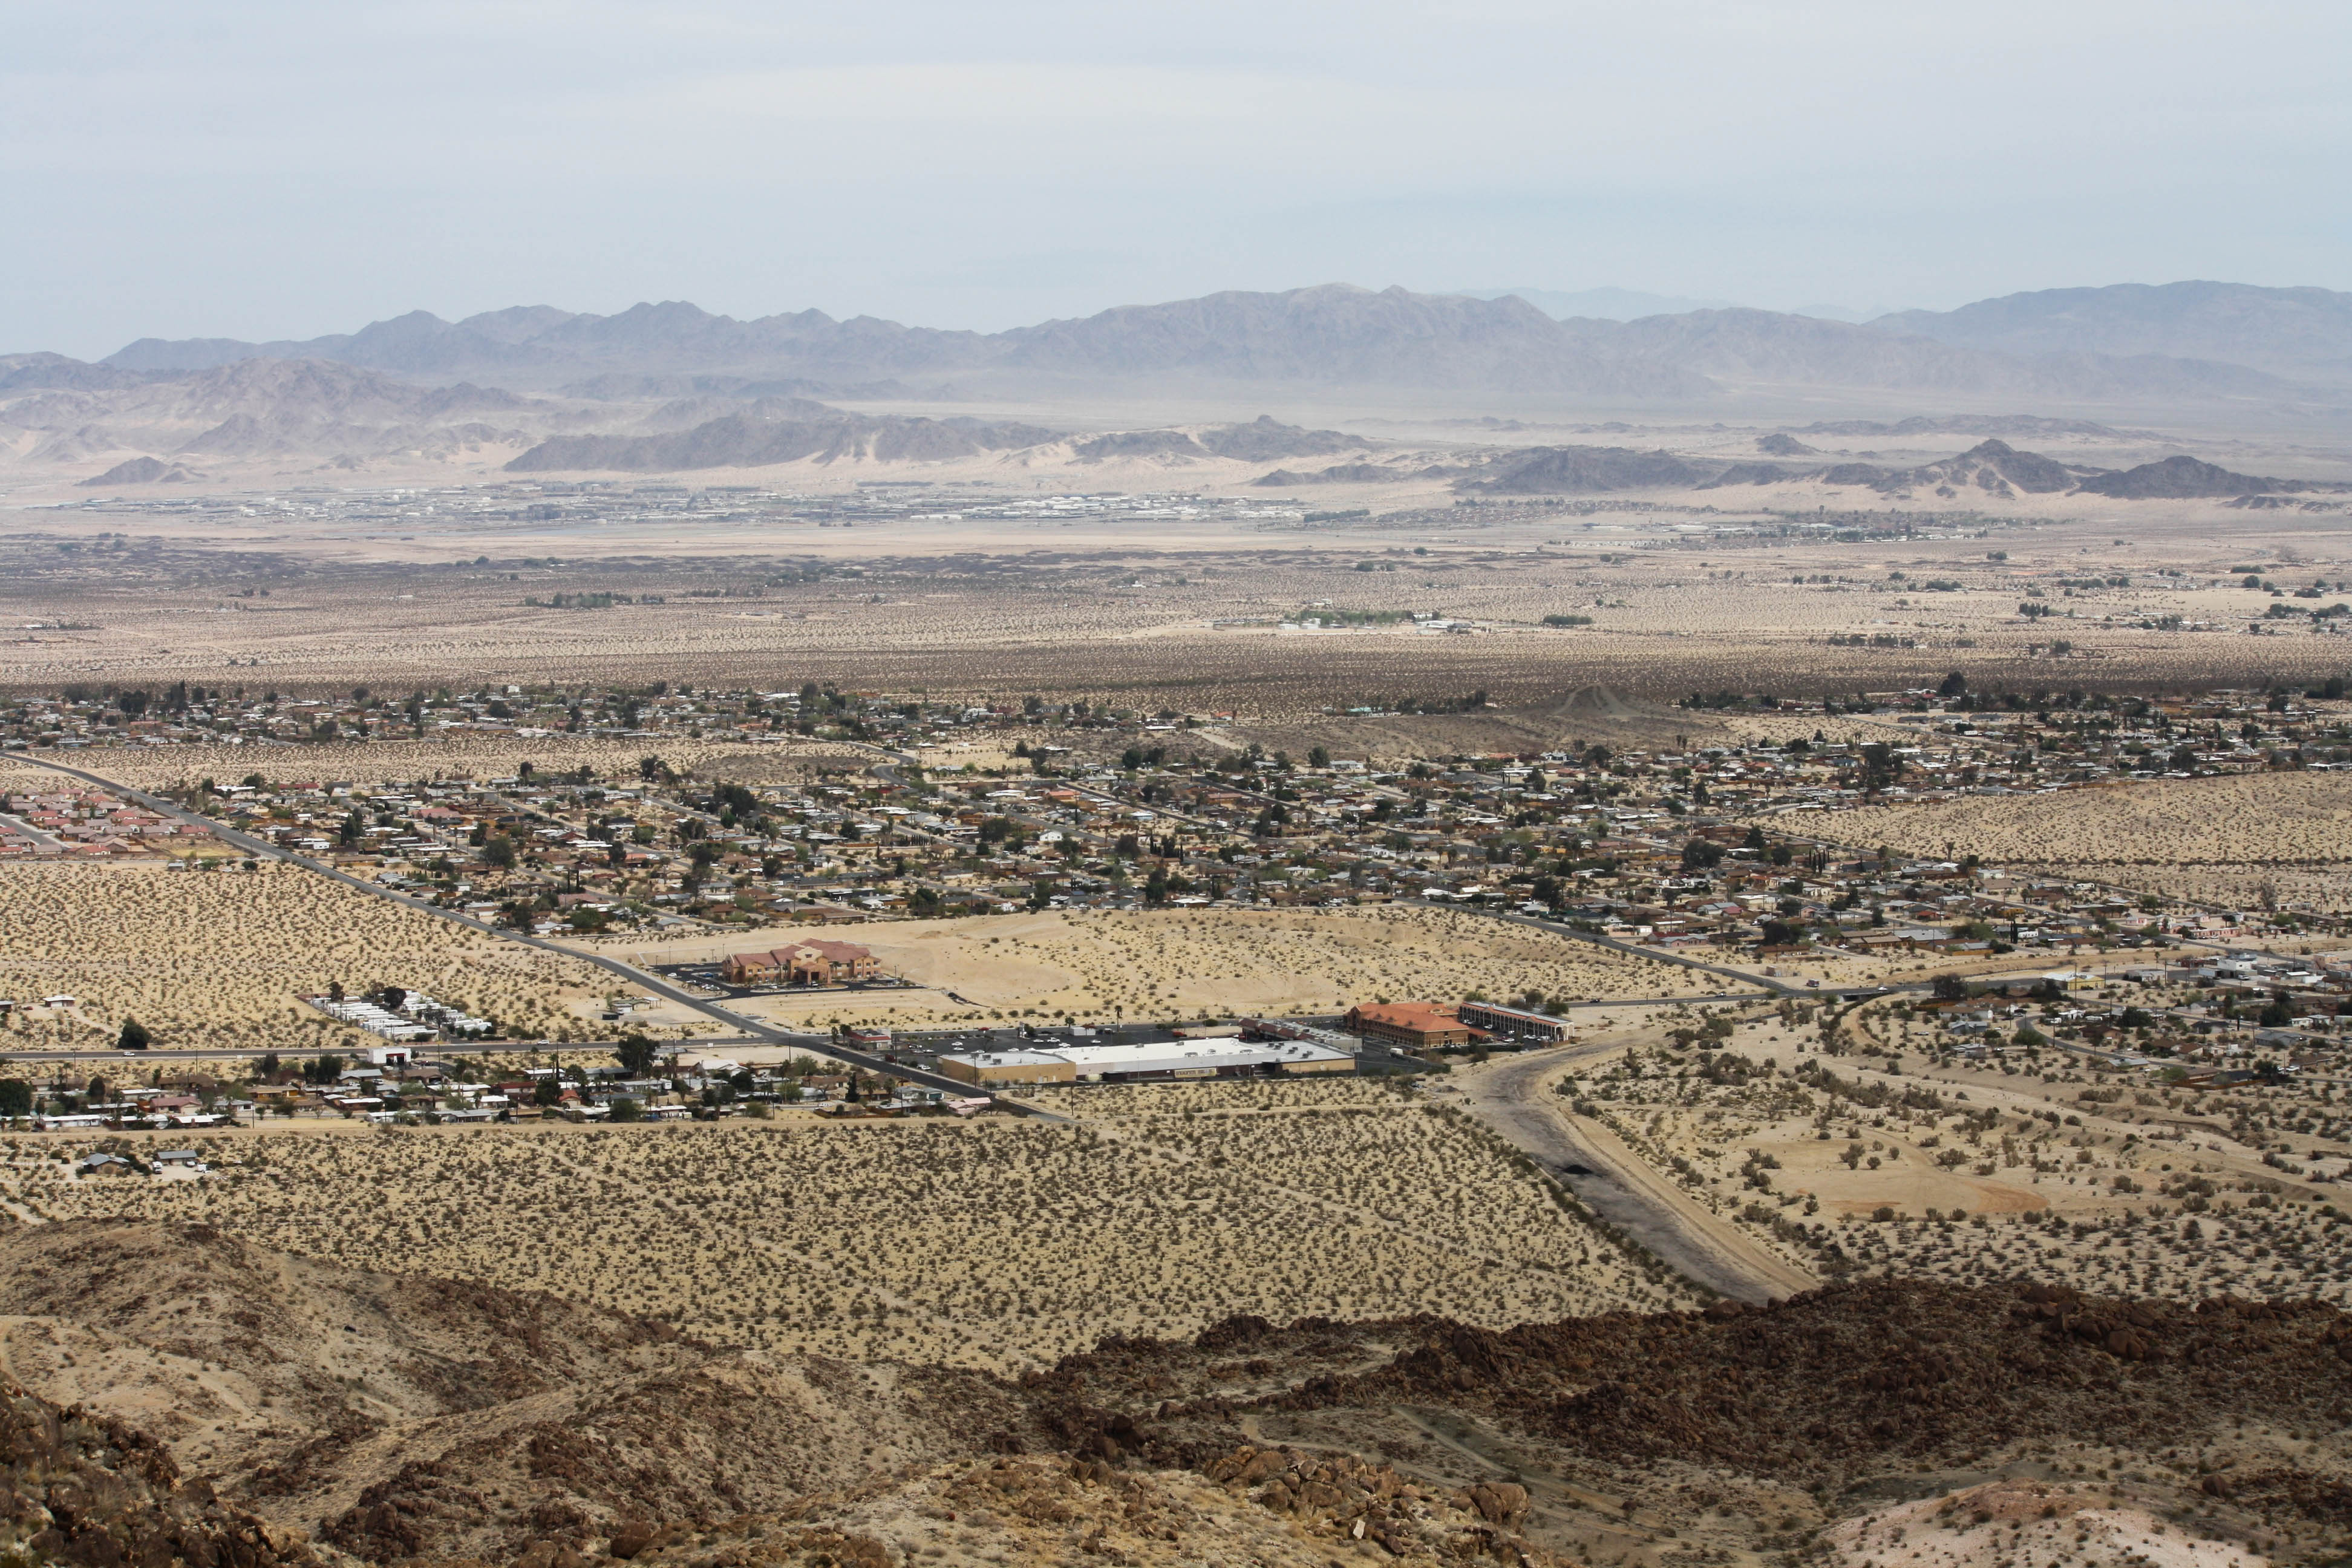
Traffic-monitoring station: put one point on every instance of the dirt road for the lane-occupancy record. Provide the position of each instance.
(1513, 1094)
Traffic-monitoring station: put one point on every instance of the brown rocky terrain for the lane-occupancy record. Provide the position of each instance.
(397, 1418)
(79, 1487)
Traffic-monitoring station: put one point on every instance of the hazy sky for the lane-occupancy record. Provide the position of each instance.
(251, 168)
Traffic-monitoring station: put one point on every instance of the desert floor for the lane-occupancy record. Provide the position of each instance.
(2281, 836)
(1685, 595)
(219, 959)
(2112, 1184)
(998, 1243)
(1181, 963)
(475, 757)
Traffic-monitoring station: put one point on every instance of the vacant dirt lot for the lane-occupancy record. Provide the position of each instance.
(995, 1244)
(2221, 839)
(462, 756)
(219, 959)
(1181, 964)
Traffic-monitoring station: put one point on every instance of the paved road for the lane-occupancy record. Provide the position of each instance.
(753, 1029)
(1561, 928)
(1512, 1098)
(166, 1056)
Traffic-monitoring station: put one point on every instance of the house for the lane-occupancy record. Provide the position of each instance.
(1417, 1025)
(814, 963)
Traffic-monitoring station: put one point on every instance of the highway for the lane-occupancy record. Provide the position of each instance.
(1512, 1096)
(748, 1030)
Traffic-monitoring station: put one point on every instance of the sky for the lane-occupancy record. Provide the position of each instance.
(263, 169)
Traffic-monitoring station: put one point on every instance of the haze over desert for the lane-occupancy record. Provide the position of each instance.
(821, 789)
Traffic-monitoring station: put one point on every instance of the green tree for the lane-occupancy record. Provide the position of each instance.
(500, 851)
(637, 1054)
(547, 1091)
(1879, 766)
(15, 1098)
(627, 1110)
(133, 1038)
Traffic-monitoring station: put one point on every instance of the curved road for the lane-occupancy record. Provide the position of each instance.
(1512, 1097)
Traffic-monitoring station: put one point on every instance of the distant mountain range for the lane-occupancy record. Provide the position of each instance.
(1632, 304)
(1993, 467)
(2179, 342)
(1603, 304)
(1332, 335)
(2302, 333)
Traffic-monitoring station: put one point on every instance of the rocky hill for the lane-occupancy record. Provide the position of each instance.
(1991, 466)
(1579, 470)
(255, 409)
(2181, 477)
(76, 1487)
(395, 1417)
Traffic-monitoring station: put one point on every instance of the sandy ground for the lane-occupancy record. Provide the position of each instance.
(2030, 1524)
(477, 757)
(1181, 963)
(1968, 1172)
(1185, 611)
(1518, 1096)
(2286, 836)
(220, 959)
(997, 1243)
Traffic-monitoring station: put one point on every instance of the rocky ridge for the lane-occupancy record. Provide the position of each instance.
(396, 1418)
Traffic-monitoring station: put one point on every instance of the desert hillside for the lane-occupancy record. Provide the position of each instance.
(2032, 1420)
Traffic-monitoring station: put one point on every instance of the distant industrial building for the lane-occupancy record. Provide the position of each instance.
(1292, 1029)
(991, 1068)
(1146, 1061)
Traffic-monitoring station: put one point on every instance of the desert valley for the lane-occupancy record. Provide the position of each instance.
(1038, 893)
